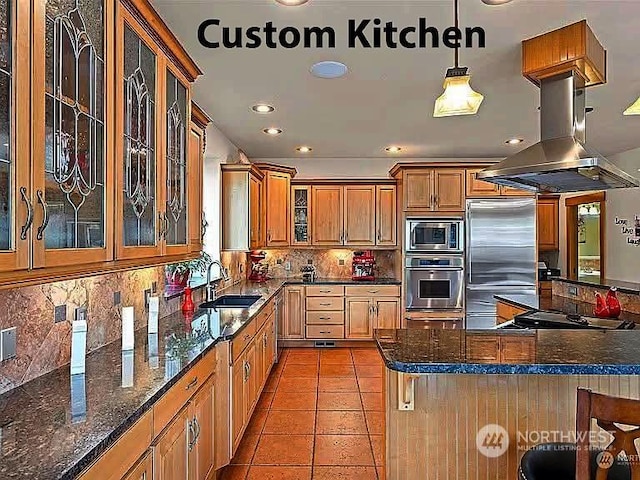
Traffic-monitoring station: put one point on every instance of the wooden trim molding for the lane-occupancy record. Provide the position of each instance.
(272, 167)
(571, 213)
(199, 116)
(397, 169)
(588, 198)
(158, 29)
(243, 167)
(344, 181)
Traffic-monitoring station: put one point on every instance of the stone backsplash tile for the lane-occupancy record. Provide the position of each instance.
(628, 301)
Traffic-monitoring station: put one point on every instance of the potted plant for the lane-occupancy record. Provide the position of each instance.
(177, 274)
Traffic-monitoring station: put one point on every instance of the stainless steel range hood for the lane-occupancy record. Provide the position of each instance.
(561, 161)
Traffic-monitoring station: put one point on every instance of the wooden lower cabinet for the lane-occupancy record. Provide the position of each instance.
(294, 313)
(483, 348)
(387, 313)
(201, 413)
(359, 318)
(170, 450)
(238, 379)
(143, 469)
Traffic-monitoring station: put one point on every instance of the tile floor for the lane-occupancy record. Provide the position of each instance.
(320, 417)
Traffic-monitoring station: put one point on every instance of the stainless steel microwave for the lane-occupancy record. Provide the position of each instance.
(438, 235)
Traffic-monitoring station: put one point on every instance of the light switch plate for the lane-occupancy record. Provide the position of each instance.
(117, 298)
(8, 341)
(154, 287)
(81, 314)
(341, 262)
(147, 294)
(573, 290)
(60, 313)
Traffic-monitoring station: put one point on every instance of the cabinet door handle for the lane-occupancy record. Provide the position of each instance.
(379, 236)
(197, 429)
(264, 340)
(346, 236)
(161, 229)
(192, 383)
(191, 433)
(204, 226)
(437, 200)
(247, 336)
(29, 221)
(269, 236)
(45, 215)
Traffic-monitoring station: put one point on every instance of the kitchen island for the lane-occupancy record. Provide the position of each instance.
(444, 386)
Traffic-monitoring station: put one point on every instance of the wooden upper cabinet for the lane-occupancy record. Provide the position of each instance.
(418, 189)
(327, 223)
(72, 132)
(360, 215)
(242, 209)
(170, 450)
(548, 223)
(480, 188)
(449, 190)
(198, 141)
(515, 192)
(301, 215)
(255, 212)
(294, 313)
(386, 215)
(277, 184)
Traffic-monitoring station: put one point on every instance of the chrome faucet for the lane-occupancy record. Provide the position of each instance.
(211, 284)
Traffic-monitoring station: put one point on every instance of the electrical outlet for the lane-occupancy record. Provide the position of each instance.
(309, 262)
(117, 298)
(81, 313)
(154, 287)
(341, 262)
(60, 313)
(8, 343)
(147, 294)
(287, 266)
(279, 261)
(573, 291)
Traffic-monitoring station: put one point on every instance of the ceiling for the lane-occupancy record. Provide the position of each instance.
(388, 95)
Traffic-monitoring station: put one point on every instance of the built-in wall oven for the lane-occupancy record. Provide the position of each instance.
(434, 282)
(441, 235)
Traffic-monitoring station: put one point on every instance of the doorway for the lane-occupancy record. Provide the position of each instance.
(586, 221)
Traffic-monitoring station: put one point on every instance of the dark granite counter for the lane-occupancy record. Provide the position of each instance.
(558, 304)
(554, 352)
(623, 287)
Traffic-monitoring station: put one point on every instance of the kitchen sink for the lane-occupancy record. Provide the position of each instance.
(232, 301)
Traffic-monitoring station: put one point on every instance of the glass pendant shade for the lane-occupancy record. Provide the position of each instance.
(458, 98)
(633, 109)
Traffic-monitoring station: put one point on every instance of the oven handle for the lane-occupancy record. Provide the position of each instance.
(419, 269)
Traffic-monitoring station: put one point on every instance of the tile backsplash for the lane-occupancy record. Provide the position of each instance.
(629, 302)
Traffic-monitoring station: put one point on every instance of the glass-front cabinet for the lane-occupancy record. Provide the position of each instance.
(71, 117)
(301, 223)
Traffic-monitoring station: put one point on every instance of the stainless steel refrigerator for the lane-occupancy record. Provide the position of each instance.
(500, 254)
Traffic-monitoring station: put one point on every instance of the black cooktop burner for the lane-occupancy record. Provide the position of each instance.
(543, 319)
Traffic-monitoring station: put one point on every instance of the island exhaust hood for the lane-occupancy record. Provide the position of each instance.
(561, 161)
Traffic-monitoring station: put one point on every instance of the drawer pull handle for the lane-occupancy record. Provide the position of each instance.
(322, 331)
(325, 304)
(192, 383)
(247, 336)
(373, 291)
(325, 291)
(325, 318)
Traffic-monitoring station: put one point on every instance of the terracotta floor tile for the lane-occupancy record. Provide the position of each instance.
(296, 422)
(339, 401)
(375, 422)
(336, 370)
(272, 383)
(338, 384)
(294, 401)
(368, 384)
(366, 356)
(303, 357)
(264, 402)
(382, 473)
(344, 473)
(284, 450)
(264, 472)
(234, 472)
(257, 422)
(369, 371)
(373, 401)
(245, 450)
(298, 384)
(333, 422)
(338, 356)
(343, 450)
(300, 370)
(378, 446)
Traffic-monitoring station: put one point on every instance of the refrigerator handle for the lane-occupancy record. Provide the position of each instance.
(467, 234)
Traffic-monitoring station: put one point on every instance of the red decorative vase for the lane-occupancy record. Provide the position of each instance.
(601, 310)
(613, 303)
(188, 307)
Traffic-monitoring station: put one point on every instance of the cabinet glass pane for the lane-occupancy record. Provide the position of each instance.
(301, 216)
(74, 124)
(5, 125)
(139, 153)
(176, 161)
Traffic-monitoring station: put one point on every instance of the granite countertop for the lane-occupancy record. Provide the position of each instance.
(555, 352)
(558, 304)
(622, 286)
(56, 425)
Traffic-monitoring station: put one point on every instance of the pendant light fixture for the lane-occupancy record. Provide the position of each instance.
(458, 97)
(633, 109)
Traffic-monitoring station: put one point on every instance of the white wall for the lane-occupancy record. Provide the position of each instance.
(623, 260)
(219, 150)
(354, 167)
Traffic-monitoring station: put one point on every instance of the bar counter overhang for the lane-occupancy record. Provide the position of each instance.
(444, 386)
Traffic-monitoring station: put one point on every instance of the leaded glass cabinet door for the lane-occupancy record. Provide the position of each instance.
(177, 120)
(73, 170)
(16, 199)
(137, 213)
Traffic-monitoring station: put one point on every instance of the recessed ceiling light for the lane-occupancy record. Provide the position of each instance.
(262, 108)
(272, 131)
(304, 149)
(514, 141)
(495, 2)
(393, 149)
(291, 3)
(329, 69)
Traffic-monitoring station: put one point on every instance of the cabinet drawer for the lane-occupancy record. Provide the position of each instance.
(178, 395)
(113, 464)
(243, 339)
(328, 318)
(373, 291)
(322, 304)
(483, 348)
(325, 291)
(325, 331)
